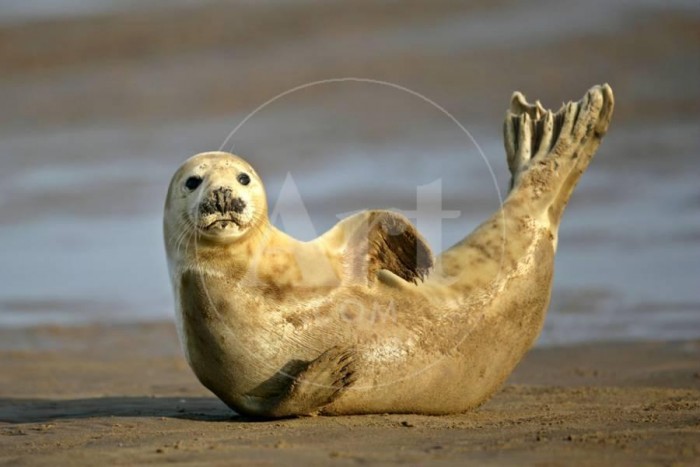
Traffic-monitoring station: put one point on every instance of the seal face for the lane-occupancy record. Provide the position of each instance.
(218, 195)
(363, 319)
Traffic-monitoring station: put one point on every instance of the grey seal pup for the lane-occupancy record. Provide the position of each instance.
(363, 319)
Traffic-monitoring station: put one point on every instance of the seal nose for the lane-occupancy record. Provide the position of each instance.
(221, 201)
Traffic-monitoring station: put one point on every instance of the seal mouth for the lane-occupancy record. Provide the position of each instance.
(223, 224)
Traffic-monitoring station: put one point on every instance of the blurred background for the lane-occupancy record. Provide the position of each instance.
(103, 99)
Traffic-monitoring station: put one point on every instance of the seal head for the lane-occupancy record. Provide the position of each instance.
(217, 195)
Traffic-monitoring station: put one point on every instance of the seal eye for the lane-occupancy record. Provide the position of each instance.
(243, 178)
(193, 182)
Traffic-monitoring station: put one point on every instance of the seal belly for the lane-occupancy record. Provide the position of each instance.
(467, 351)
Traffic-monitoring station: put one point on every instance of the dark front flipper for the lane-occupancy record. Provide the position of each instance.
(302, 388)
(377, 240)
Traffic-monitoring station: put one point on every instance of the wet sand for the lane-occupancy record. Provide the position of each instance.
(124, 395)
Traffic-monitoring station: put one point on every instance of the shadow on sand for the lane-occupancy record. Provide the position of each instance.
(18, 410)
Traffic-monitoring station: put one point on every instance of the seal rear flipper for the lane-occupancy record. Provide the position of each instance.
(548, 152)
(314, 385)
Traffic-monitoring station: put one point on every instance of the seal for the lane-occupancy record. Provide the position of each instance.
(363, 319)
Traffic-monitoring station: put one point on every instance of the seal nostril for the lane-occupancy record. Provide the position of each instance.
(219, 201)
(238, 205)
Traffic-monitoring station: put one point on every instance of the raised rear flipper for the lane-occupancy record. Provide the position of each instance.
(547, 152)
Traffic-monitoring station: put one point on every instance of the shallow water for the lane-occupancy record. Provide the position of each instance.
(81, 250)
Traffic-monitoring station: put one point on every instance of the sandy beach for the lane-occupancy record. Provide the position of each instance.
(124, 395)
(103, 100)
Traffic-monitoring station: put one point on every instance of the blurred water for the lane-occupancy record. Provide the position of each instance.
(83, 235)
(38, 10)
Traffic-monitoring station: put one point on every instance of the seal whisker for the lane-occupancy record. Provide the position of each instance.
(186, 233)
(178, 239)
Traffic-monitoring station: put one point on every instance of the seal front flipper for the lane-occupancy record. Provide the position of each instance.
(302, 388)
(376, 240)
